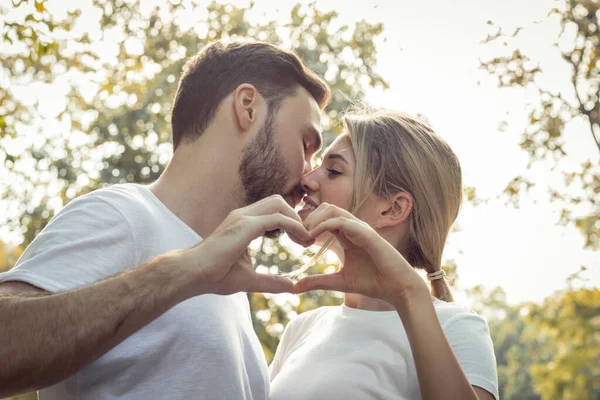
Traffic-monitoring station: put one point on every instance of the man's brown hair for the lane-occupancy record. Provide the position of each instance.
(219, 68)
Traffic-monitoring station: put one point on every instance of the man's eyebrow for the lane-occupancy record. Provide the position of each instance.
(335, 155)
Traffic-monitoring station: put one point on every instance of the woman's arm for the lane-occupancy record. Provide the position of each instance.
(374, 268)
(440, 374)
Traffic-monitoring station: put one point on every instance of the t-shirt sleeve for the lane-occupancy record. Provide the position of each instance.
(469, 336)
(87, 241)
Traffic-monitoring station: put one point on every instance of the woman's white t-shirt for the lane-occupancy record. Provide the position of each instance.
(347, 353)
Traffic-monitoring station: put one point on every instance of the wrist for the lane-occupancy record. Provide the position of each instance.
(412, 298)
(178, 277)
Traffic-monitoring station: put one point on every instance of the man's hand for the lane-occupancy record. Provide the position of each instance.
(83, 324)
(221, 263)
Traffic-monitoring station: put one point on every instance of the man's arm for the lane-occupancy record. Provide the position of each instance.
(45, 338)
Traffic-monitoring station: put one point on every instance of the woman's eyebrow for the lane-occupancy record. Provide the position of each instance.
(336, 156)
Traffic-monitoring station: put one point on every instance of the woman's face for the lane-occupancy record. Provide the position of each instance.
(333, 181)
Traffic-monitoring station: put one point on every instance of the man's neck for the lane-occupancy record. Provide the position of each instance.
(199, 186)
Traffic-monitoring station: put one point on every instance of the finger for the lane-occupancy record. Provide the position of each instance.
(270, 205)
(348, 232)
(331, 225)
(264, 283)
(300, 242)
(324, 212)
(321, 282)
(278, 221)
(353, 232)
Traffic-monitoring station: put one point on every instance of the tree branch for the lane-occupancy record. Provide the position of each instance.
(581, 105)
(576, 64)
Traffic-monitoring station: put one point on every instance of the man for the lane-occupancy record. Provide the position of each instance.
(79, 321)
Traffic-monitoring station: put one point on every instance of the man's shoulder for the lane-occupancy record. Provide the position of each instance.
(90, 238)
(127, 200)
(121, 194)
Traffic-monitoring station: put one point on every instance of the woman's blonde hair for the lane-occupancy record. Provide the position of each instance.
(398, 153)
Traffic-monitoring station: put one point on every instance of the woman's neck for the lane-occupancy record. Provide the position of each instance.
(354, 300)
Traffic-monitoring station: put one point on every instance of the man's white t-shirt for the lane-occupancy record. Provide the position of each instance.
(352, 354)
(203, 348)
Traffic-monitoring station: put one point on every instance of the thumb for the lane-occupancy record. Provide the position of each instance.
(324, 282)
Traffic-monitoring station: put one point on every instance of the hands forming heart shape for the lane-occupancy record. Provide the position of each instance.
(221, 264)
(372, 266)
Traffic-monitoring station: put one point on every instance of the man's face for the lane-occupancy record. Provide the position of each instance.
(275, 160)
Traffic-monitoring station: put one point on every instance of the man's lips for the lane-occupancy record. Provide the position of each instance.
(294, 197)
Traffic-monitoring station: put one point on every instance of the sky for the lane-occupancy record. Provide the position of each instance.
(437, 74)
(431, 59)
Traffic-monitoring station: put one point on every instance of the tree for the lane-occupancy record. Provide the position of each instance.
(545, 351)
(8, 256)
(544, 138)
(565, 326)
(119, 77)
(114, 126)
(570, 323)
(516, 344)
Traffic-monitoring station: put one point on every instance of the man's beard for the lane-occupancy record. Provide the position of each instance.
(263, 170)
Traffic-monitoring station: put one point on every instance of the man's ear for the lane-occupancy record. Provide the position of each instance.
(395, 210)
(246, 101)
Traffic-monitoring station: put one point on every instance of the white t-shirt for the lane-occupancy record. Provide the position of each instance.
(203, 348)
(347, 353)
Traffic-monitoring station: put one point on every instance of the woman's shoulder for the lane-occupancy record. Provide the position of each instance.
(469, 336)
(455, 313)
(312, 317)
(316, 314)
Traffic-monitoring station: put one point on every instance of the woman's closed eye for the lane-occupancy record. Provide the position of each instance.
(332, 173)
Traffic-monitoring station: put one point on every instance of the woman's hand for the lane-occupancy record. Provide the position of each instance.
(372, 266)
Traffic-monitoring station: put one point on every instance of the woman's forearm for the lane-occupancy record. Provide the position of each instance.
(440, 375)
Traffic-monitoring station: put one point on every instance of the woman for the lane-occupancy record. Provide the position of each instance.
(384, 200)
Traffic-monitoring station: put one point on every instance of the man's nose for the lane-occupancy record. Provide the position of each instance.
(308, 182)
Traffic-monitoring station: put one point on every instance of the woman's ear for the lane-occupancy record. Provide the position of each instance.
(246, 101)
(395, 210)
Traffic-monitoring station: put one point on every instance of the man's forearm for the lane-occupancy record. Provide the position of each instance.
(47, 338)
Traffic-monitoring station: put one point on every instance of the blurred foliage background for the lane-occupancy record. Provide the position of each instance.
(117, 66)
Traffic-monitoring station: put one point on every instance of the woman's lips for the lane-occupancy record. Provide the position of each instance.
(308, 207)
